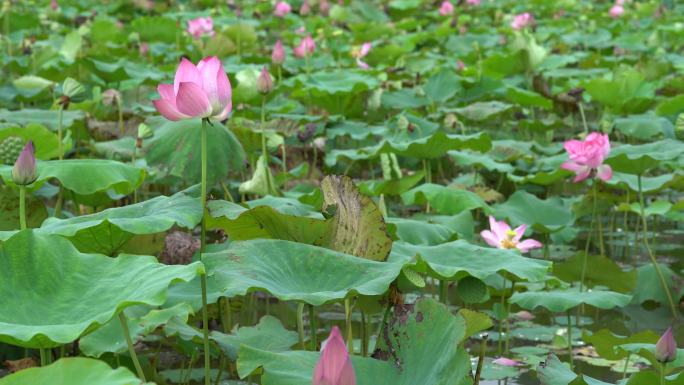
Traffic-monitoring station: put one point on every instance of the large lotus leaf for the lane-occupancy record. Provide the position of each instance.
(433, 146)
(275, 219)
(442, 86)
(605, 342)
(559, 300)
(639, 158)
(644, 127)
(603, 272)
(269, 335)
(74, 371)
(648, 184)
(646, 289)
(357, 226)
(470, 158)
(47, 118)
(421, 346)
(9, 207)
(45, 141)
(480, 111)
(295, 271)
(107, 231)
(346, 81)
(419, 232)
(262, 181)
(457, 259)
(545, 216)
(52, 294)
(543, 178)
(176, 149)
(444, 199)
(390, 186)
(554, 372)
(626, 92)
(356, 130)
(86, 176)
(141, 320)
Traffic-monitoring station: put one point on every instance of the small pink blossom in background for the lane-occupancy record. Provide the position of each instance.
(278, 55)
(144, 48)
(587, 156)
(306, 47)
(503, 361)
(524, 315)
(281, 9)
(300, 30)
(446, 8)
(462, 29)
(324, 7)
(666, 347)
(305, 9)
(460, 65)
(522, 21)
(365, 48)
(54, 5)
(501, 236)
(473, 2)
(619, 2)
(616, 11)
(201, 91)
(334, 367)
(264, 81)
(201, 26)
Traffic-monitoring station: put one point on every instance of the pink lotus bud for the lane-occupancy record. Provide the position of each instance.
(305, 9)
(524, 315)
(473, 2)
(264, 82)
(619, 2)
(522, 21)
(666, 347)
(201, 26)
(324, 7)
(144, 48)
(587, 156)
(503, 361)
(460, 65)
(111, 96)
(24, 170)
(201, 91)
(446, 8)
(616, 11)
(54, 5)
(281, 9)
(334, 367)
(306, 47)
(501, 236)
(278, 55)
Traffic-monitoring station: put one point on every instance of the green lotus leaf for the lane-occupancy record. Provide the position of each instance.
(442, 86)
(647, 350)
(404, 98)
(559, 300)
(527, 98)
(53, 294)
(605, 342)
(639, 158)
(175, 149)
(649, 184)
(545, 216)
(627, 92)
(645, 290)
(47, 118)
(74, 371)
(444, 199)
(9, 207)
(337, 82)
(457, 259)
(86, 176)
(422, 340)
(262, 181)
(390, 186)
(420, 232)
(603, 272)
(645, 127)
(481, 111)
(355, 130)
(470, 158)
(45, 141)
(269, 335)
(554, 372)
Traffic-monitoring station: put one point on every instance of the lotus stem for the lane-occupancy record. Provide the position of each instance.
(662, 373)
(22, 207)
(443, 291)
(312, 327)
(348, 324)
(300, 323)
(644, 228)
(584, 119)
(480, 360)
(264, 152)
(131, 348)
(203, 243)
(569, 339)
(586, 246)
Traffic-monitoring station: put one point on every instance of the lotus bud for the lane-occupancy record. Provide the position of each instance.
(110, 97)
(334, 367)
(24, 170)
(264, 82)
(666, 347)
(278, 55)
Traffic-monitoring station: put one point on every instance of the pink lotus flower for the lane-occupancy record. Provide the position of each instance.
(334, 367)
(666, 347)
(281, 9)
(278, 54)
(197, 92)
(501, 236)
(503, 361)
(460, 65)
(446, 8)
(264, 82)
(144, 48)
(619, 2)
(306, 47)
(24, 170)
(305, 9)
(54, 5)
(324, 7)
(522, 21)
(524, 315)
(587, 156)
(616, 11)
(365, 48)
(473, 2)
(201, 26)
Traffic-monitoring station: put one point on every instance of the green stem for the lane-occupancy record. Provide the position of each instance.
(624, 370)
(312, 327)
(122, 131)
(60, 145)
(22, 207)
(348, 324)
(203, 240)
(569, 339)
(300, 324)
(662, 373)
(443, 291)
(661, 277)
(364, 335)
(586, 246)
(43, 357)
(584, 119)
(131, 349)
(264, 152)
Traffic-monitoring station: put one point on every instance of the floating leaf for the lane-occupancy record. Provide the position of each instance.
(74, 371)
(268, 335)
(443, 199)
(545, 216)
(561, 300)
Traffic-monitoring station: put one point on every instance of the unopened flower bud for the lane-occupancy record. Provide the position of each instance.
(264, 82)
(24, 170)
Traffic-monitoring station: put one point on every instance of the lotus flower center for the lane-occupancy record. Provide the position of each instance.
(508, 242)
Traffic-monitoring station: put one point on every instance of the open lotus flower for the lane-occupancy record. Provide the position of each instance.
(201, 26)
(281, 9)
(278, 54)
(197, 92)
(446, 8)
(501, 236)
(473, 2)
(503, 361)
(522, 21)
(306, 47)
(24, 170)
(365, 48)
(587, 156)
(666, 347)
(616, 11)
(334, 367)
